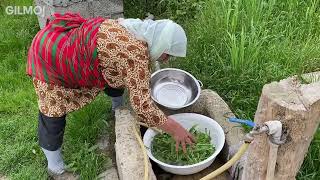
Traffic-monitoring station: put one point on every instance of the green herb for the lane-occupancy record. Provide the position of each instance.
(163, 148)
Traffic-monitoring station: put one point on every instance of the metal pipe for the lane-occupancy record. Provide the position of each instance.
(275, 131)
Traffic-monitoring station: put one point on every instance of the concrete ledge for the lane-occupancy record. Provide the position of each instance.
(109, 174)
(129, 155)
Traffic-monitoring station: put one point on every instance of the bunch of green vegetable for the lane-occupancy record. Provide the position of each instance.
(163, 148)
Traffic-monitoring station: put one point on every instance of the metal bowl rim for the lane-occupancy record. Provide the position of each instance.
(186, 105)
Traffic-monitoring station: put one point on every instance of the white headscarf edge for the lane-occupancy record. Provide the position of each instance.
(162, 36)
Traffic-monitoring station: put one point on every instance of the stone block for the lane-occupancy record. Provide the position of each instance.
(106, 8)
(129, 156)
(86, 8)
(3, 177)
(109, 174)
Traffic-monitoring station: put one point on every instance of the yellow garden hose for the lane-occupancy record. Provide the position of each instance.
(145, 157)
(226, 166)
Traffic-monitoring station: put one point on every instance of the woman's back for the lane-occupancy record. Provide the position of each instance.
(65, 52)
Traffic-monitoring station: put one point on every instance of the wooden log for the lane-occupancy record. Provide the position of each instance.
(297, 106)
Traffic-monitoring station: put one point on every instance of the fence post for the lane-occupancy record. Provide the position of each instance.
(297, 106)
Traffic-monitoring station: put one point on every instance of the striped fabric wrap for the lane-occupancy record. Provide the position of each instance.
(64, 52)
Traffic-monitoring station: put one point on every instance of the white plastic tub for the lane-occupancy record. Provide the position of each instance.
(187, 120)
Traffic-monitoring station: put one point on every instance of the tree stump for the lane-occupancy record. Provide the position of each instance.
(297, 106)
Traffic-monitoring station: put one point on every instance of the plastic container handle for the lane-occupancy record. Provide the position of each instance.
(242, 121)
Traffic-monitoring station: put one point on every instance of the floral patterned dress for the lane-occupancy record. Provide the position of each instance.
(123, 62)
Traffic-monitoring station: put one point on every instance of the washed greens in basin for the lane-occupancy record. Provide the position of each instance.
(163, 148)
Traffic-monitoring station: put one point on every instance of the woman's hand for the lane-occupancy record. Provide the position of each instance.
(180, 134)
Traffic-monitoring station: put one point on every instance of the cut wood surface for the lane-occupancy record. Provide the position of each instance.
(297, 106)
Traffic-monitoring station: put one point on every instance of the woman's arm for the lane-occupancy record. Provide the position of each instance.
(137, 82)
(137, 79)
(179, 134)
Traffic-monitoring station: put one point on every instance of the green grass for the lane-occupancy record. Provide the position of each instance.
(21, 157)
(237, 46)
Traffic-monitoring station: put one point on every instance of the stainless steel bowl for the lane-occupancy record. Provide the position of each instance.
(174, 88)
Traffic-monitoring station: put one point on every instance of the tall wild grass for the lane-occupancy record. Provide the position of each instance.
(237, 46)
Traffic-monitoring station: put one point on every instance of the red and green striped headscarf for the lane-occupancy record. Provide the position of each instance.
(65, 53)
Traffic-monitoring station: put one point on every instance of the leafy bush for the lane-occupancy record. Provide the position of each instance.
(177, 10)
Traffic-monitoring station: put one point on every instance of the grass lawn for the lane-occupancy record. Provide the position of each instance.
(21, 157)
(235, 47)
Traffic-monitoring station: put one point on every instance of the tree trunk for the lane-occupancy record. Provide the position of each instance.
(297, 106)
